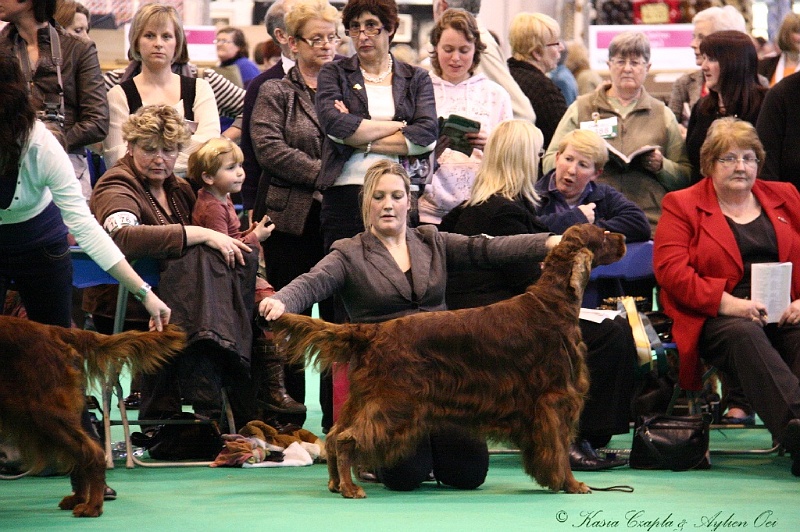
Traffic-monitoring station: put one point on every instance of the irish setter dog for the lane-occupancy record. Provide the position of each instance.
(43, 372)
(513, 371)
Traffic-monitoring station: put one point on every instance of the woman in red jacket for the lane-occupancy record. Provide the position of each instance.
(711, 235)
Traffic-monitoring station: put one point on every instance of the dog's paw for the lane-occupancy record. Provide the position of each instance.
(576, 487)
(333, 486)
(353, 491)
(70, 501)
(87, 510)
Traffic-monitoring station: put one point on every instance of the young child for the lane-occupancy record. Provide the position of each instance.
(217, 168)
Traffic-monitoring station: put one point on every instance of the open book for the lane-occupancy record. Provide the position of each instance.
(456, 128)
(625, 160)
(770, 284)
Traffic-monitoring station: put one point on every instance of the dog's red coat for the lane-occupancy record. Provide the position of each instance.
(513, 371)
(42, 378)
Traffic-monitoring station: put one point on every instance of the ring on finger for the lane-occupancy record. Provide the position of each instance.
(230, 252)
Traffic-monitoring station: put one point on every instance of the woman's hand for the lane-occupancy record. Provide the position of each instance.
(477, 140)
(654, 161)
(341, 107)
(230, 248)
(552, 241)
(588, 211)
(743, 308)
(271, 309)
(790, 316)
(158, 310)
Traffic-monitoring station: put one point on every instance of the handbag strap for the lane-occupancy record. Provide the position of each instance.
(644, 432)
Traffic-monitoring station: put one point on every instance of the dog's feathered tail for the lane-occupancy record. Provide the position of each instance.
(302, 339)
(142, 351)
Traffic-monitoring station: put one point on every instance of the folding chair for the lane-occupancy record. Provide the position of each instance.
(87, 273)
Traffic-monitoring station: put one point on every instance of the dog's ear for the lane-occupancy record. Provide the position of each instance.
(581, 269)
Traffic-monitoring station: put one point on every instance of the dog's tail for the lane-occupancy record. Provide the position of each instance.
(106, 354)
(303, 338)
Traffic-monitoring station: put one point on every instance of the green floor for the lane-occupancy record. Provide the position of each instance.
(753, 492)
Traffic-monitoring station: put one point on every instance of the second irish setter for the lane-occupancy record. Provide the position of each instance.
(513, 371)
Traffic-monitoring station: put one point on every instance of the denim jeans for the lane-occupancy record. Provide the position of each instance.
(43, 278)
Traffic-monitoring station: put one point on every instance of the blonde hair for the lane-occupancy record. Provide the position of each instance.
(208, 158)
(156, 125)
(158, 14)
(510, 164)
(577, 57)
(724, 134)
(371, 178)
(531, 32)
(303, 11)
(586, 143)
(789, 25)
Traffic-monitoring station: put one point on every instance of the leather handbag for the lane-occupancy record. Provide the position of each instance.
(678, 443)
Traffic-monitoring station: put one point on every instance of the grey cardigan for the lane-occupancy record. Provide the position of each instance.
(287, 139)
(374, 289)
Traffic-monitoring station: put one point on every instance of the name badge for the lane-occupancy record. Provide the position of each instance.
(605, 127)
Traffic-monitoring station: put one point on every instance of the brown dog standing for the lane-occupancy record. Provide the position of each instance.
(42, 379)
(513, 371)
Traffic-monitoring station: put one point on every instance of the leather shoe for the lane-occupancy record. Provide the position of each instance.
(109, 494)
(582, 457)
(748, 420)
(791, 438)
(133, 401)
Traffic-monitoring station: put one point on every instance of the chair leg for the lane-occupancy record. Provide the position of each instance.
(126, 429)
(226, 408)
(106, 393)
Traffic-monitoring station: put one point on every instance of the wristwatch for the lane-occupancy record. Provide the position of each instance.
(142, 292)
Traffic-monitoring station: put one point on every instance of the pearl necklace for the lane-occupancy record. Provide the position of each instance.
(379, 78)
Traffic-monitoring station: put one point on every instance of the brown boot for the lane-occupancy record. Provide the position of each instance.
(267, 371)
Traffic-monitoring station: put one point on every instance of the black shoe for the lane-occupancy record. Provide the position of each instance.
(133, 401)
(109, 494)
(791, 438)
(582, 457)
(91, 403)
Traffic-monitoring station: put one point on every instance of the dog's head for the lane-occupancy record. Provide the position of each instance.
(606, 247)
(582, 247)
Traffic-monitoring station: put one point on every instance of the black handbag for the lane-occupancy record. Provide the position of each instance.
(193, 441)
(678, 443)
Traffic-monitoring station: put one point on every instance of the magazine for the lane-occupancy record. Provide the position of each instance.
(456, 127)
(770, 284)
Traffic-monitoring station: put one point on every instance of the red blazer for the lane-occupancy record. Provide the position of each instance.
(696, 258)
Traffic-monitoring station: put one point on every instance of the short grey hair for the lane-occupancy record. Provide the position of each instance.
(471, 6)
(274, 19)
(630, 44)
(722, 19)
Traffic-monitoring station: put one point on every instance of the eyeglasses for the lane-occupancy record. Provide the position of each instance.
(319, 42)
(729, 162)
(151, 152)
(620, 63)
(222, 41)
(370, 30)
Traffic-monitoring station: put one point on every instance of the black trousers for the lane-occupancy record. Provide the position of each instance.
(456, 457)
(764, 361)
(288, 256)
(611, 359)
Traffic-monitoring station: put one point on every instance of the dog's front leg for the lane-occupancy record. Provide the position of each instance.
(345, 455)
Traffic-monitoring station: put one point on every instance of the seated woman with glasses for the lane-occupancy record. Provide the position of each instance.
(206, 276)
(711, 236)
(628, 118)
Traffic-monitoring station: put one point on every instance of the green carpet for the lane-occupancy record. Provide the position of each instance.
(752, 492)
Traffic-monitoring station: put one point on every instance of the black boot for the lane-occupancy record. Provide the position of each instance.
(267, 371)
